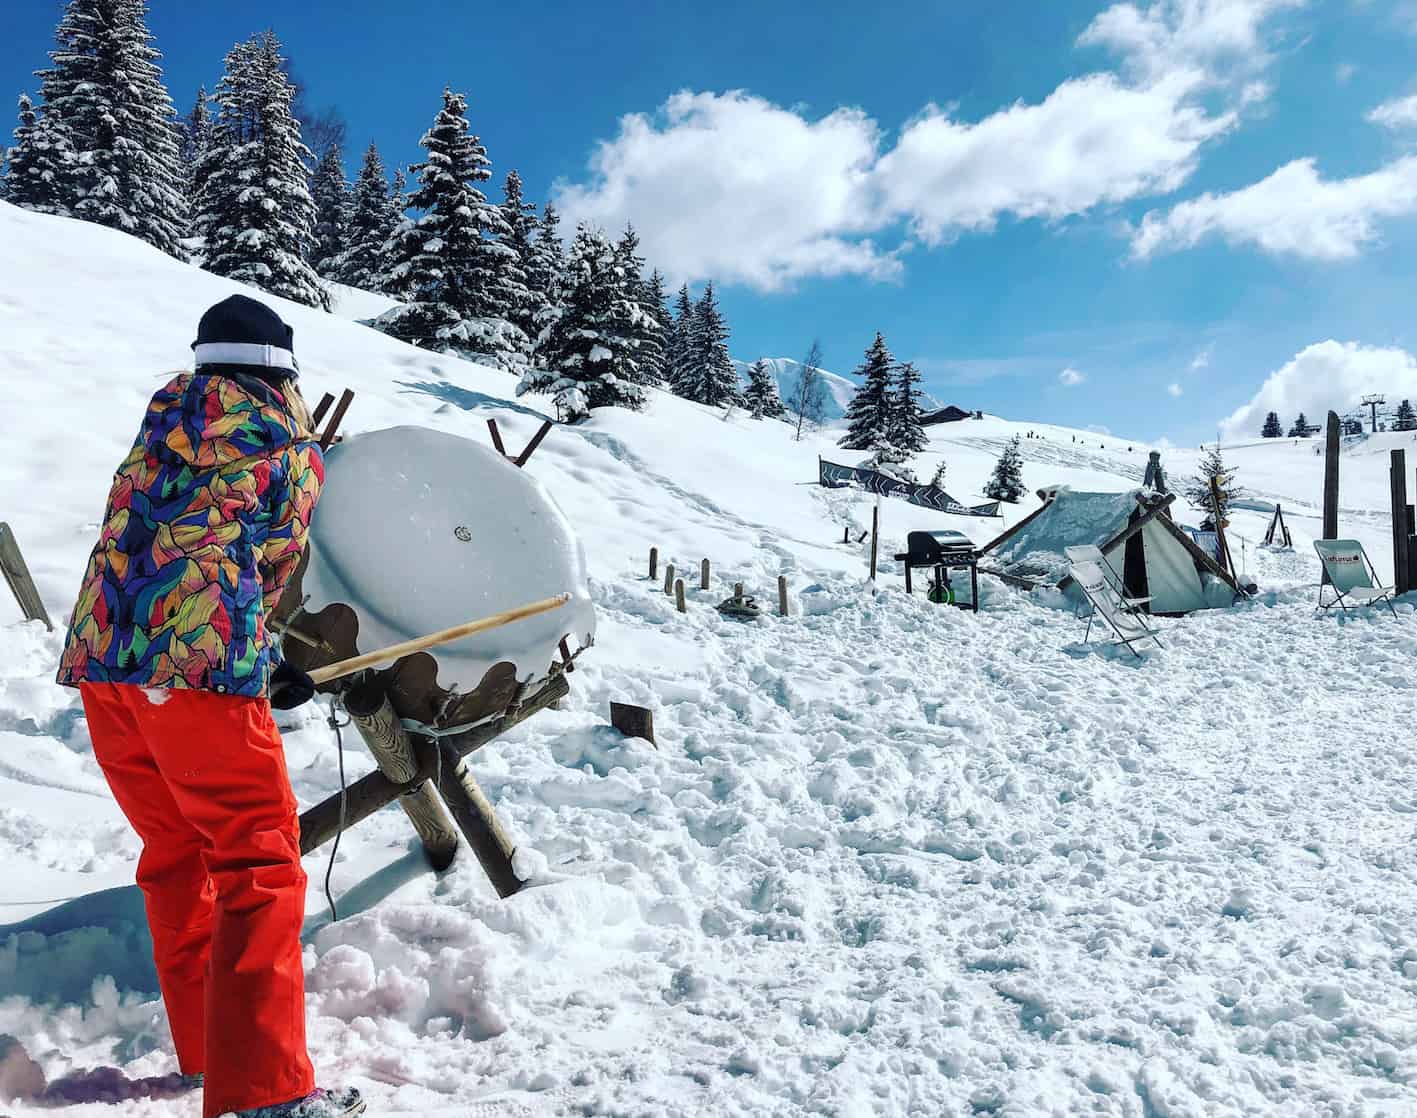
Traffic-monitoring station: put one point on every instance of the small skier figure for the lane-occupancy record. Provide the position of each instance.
(170, 648)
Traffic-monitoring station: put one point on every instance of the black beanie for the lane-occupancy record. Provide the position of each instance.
(242, 332)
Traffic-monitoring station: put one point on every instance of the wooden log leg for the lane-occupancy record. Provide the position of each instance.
(374, 718)
(782, 595)
(478, 822)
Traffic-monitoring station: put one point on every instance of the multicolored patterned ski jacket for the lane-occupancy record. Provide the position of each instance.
(205, 525)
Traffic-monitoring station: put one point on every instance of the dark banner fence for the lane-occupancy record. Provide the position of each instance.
(834, 476)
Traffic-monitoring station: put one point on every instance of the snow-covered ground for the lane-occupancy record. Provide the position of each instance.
(889, 858)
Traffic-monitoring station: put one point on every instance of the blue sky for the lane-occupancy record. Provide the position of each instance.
(1077, 212)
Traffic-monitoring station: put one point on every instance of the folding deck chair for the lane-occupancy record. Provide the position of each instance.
(1351, 576)
(1106, 594)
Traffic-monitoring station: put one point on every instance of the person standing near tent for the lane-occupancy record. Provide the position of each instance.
(170, 648)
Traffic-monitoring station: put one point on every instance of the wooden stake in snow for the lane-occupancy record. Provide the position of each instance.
(782, 595)
(1331, 479)
(669, 578)
(653, 563)
(1398, 481)
(17, 575)
(875, 536)
(327, 440)
(679, 596)
(704, 575)
(633, 721)
(433, 640)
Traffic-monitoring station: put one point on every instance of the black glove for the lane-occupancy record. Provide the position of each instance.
(290, 687)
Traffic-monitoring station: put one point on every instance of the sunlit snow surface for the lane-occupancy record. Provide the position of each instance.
(889, 858)
(421, 530)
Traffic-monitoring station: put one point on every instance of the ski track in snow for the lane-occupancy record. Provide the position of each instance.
(889, 858)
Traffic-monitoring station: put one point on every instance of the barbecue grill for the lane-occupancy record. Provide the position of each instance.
(943, 552)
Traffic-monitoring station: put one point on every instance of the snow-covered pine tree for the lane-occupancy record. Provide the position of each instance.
(1198, 488)
(40, 166)
(682, 348)
(1006, 482)
(584, 355)
(255, 212)
(1300, 429)
(908, 431)
(196, 137)
(333, 211)
(106, 88)
(1406, 418)
(761, 396)
(870, 418)
(545, 270)
(1272, 428)
(389, 283)
(371, 221)
(718, 384)
(652, 301)
(644, 344)
(528, 309)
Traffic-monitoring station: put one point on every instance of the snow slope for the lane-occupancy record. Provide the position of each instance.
(888, 858)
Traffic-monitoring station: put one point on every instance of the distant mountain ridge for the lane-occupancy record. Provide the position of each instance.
(840, 389)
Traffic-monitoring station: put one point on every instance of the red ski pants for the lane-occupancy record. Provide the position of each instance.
(202, 779)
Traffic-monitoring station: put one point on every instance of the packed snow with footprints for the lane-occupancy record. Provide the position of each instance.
(889, 857)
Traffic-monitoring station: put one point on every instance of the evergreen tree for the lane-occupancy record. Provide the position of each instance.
(1272, 428)
(105, 87)
(255, 212)
(908, 431)
(1198, 489)
(40, 164)
(196, 138)
(660, 327)
(448, 263)
(871, 416)
(761, 397)
(644, 342)
(718, 384)
(682, 347)
(1006, 482)
(545, 270)
(1300, 428)
(528, 309)
(362, 264)
(333, 212)
(585, 358)
(1406, 418)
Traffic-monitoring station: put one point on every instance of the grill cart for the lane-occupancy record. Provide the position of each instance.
(943, 552)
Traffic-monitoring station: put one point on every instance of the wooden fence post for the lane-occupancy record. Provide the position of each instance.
(846, 533)
(17, 575)
(704, 575)
(782, 595)
(669, 578)
(1331, 479)
(679, 596)
(633, 721)
(653, 563)
(875, 536)
(1397, 478)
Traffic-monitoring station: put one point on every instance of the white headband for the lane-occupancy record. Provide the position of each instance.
(244, 353)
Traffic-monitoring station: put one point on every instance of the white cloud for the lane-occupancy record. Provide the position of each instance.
(1293, 211)
(1173, 389)
(1326, 376)
(1344, 72)
(1070, 377)
(1398, 113)
(1201, 34)
(1092, 141)
(1201, 360)
(732, 187)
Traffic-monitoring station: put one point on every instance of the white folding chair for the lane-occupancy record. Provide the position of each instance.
(1351, 576)
(1091, 553)
(1121, 613)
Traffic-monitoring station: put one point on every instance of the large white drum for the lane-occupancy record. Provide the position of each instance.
(419, 530)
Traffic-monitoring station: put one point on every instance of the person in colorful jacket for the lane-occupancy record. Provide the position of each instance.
(170, 649)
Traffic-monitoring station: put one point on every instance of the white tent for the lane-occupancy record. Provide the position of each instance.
(1155, 558)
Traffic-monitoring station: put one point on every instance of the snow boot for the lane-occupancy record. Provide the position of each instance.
(320, 1103)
